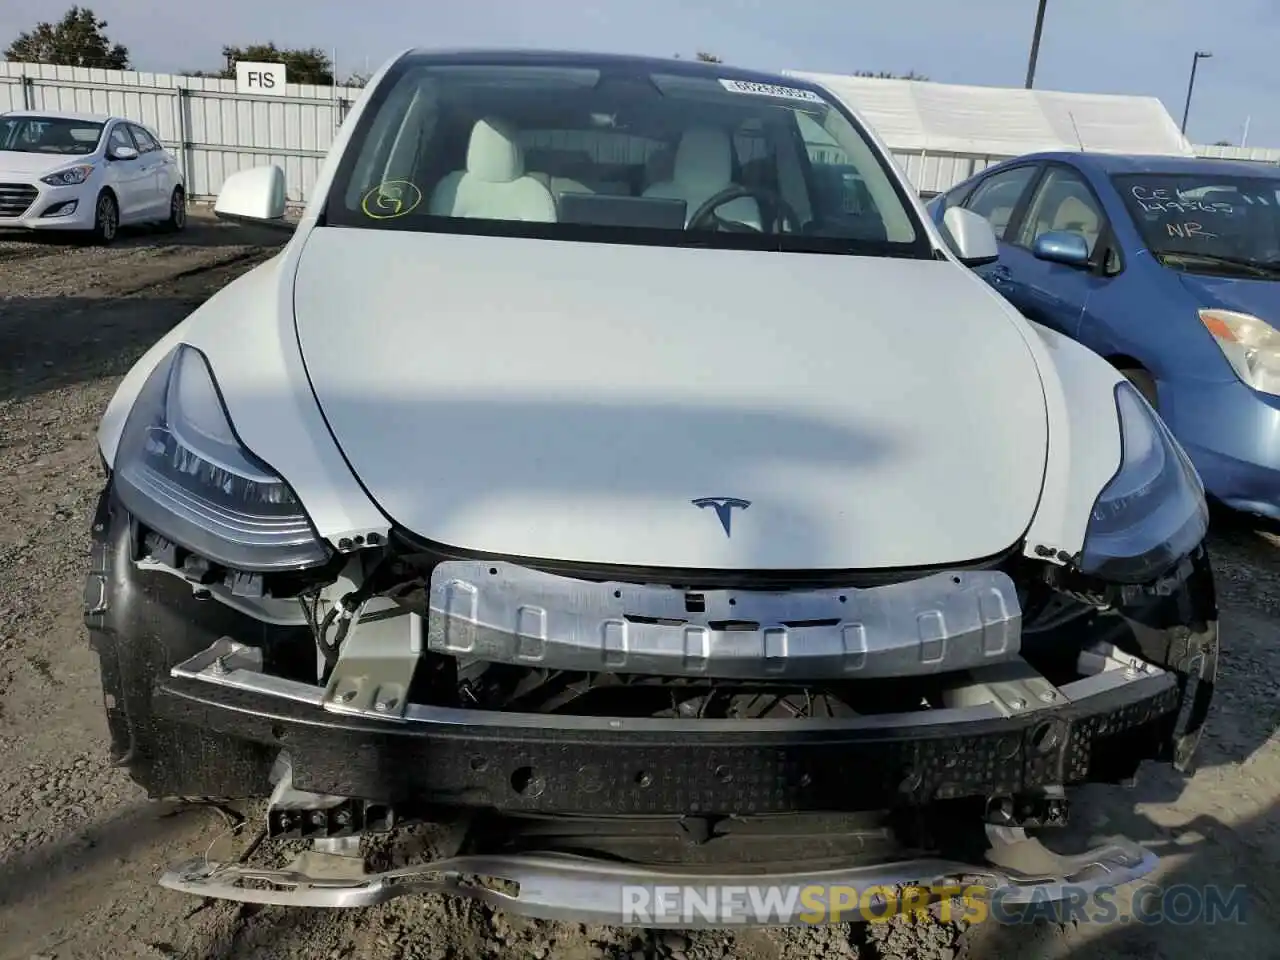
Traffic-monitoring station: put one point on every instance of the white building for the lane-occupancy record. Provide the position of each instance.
(943, 133)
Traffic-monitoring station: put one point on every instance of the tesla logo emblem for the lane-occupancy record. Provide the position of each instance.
(724, 507)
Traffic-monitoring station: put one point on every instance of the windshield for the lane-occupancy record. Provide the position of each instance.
(613, 152)
(49, 135)
(1208, 224)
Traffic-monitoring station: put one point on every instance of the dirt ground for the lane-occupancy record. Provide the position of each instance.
(80, 850)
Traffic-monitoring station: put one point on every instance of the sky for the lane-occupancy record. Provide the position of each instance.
(1092, 46)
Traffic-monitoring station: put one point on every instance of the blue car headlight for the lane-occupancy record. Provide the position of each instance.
(181, 470)
(1153, 512)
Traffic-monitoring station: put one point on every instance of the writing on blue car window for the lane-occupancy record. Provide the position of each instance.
(1207, 222)
(1189, 228)
(1156, 199)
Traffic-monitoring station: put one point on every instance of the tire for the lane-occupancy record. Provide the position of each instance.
(1146, 385)
(106, 219)
(177, 221)
(141, 623)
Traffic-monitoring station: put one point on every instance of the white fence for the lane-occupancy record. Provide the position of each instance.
(936, 173)
(215, 131)
(211, 129)
(1256, 154)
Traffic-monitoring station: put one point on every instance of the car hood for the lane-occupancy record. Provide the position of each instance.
(590, 402)
(36, 164)
(1244, 295)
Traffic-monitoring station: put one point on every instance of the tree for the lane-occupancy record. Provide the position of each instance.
(77, 40)
(887, 75)
(301, 66)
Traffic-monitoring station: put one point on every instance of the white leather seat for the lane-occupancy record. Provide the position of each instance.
(494, 186)
(703, 167)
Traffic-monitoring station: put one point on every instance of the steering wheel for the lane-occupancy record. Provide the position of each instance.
(768, 200)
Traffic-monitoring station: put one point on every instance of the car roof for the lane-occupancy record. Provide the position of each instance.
(61, 115)
(1109, 164)
(608, 61)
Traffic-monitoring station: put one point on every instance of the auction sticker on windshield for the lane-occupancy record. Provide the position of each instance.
(770, 90)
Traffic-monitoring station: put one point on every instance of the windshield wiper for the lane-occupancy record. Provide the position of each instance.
(1257, 267)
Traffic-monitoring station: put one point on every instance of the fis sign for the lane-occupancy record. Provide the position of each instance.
(260, 78)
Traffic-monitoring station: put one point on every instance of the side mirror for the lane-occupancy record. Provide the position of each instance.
(122, 153)
(1059, 246)
(253, 196)
(970, 237)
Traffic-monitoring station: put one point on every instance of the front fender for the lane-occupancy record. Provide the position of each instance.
(246, 331)
(1084, 441)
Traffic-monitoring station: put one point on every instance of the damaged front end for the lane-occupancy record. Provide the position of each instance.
(571, 733)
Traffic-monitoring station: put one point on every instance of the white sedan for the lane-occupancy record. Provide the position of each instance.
(86, 173)
(589, 478)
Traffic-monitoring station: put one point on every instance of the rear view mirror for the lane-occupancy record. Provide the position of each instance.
(122, 153)
(254, 196)
(970, 237)
(1060, 246)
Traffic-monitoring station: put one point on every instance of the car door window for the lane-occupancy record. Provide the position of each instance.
(956, 195)
(939, 203)
(120, 138)
(997, 197)
(1063, 203)
(146, 143)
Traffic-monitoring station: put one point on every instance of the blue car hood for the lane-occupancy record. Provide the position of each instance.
(1258, 297)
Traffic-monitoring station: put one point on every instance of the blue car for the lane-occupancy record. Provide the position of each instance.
(1170, 268)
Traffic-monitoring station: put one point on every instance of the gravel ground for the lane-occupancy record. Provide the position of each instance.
(80, 850)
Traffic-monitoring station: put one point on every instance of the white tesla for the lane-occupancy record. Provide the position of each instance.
(86, 173)
(590, 477)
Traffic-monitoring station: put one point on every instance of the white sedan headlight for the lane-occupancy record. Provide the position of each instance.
(181, 470)
(1153, 512)
(70, 176)
(1251, 346)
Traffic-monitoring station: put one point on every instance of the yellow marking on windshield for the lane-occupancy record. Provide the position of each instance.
(391, 199)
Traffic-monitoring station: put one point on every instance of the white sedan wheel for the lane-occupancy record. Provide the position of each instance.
(106, 219)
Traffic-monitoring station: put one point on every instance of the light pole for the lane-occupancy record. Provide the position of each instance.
(1191, 85)
(1035, 44)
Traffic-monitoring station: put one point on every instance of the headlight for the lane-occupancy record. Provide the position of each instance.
(69, 177)
(1153, 511)
(1251, 346)
(181, 471)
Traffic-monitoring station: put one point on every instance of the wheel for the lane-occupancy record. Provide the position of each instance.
(1145, 383)
(106, 219)
(177, 212)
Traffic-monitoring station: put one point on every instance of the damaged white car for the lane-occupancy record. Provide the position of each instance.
(592, 479)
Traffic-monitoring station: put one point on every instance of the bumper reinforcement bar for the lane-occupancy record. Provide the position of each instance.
(1005, 731)
(557, 887)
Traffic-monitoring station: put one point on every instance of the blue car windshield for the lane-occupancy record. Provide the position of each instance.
(1205, 223)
